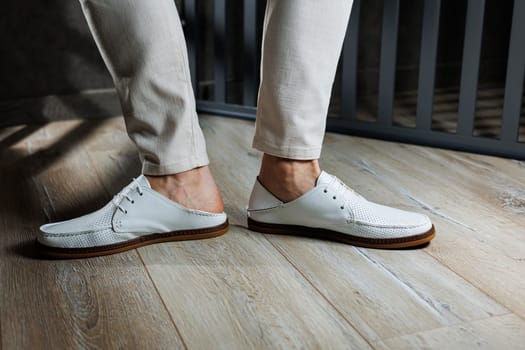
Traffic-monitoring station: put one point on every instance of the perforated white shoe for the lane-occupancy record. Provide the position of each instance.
(333, 211)
(135, 217)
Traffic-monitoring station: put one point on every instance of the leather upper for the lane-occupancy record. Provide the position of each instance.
(135, 211)
(332, 205)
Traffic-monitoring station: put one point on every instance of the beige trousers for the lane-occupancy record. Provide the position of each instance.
(142, 44)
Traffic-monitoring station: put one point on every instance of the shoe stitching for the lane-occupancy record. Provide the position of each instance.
(127, 243)
(387, 226)
(351, 221)
(74, 234)
(342, 186)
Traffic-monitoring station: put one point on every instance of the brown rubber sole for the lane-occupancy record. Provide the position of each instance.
(183, 235)
(295, 230)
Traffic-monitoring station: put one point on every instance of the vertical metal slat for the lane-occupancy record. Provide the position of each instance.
(515, 75)
(387, 69)
(249, 96)
(470, 67)
(191, 33)
(350, 65)
(219, 22)
(427, 64)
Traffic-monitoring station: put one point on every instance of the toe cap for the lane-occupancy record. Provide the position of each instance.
(62, 235)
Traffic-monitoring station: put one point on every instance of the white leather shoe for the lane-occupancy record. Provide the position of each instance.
(333, 211)
(135, 217)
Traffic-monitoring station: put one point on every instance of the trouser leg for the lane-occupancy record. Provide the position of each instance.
(142, 44)
(302, 42)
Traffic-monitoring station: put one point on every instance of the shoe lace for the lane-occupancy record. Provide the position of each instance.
(124, 194)
(348, 194)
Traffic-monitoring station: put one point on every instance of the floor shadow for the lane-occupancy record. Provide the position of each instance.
(27, 249)
(18, 135)
(44, 158)
(23, 198)
(51, 54)
(21, 166)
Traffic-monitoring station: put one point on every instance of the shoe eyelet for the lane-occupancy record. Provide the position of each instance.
(342, 207)
(132, 201)
(125, 211)
(140, 194)
(325, 190)
(334, 197)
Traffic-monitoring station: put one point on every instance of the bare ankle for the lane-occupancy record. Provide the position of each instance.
(288, 179)
(195, 189)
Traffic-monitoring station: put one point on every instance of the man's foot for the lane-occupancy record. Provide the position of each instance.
(331, 210)
(194, 189)
(135, 217)
(287, 179)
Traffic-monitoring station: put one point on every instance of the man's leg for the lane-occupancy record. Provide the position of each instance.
(301, 47)
(143, 46)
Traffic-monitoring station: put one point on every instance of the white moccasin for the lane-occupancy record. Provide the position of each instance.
(135, 217)
(333, 211)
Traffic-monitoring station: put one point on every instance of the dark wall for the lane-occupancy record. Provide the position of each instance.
(46, 49)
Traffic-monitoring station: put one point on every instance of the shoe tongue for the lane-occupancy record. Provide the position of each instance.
(143, 181)
(323, 179)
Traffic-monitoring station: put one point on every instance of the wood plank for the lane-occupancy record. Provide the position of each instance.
(484, 241)
(410, 282)
(506, 178)
(505, 332)
(106, 302)
(236, 290)
(241, 293)
(250, 290)
(514, 169)
(388, 296)
(483, 192)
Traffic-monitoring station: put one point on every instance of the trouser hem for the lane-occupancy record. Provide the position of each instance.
(297, 153)
(149, 168)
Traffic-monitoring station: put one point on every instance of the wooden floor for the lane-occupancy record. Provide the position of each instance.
(245, 290)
